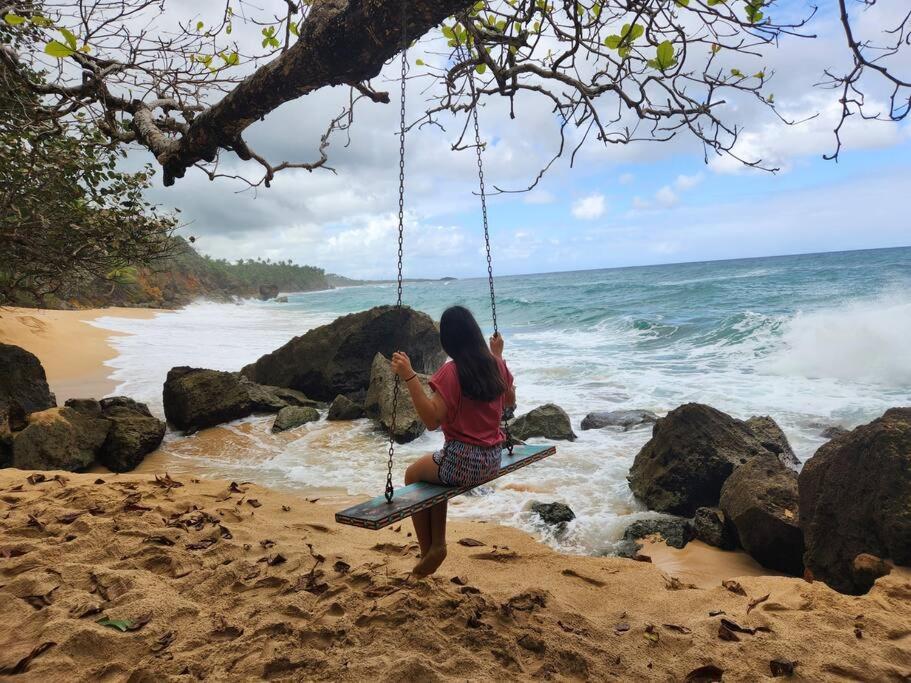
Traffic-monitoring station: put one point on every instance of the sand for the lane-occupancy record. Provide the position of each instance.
(72, 352)
(253, 584)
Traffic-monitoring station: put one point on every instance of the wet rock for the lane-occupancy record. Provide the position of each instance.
(623, 419)
(676, 532)
(134, 433)
(833, 432)
(86, 406)
(855, 497)
(22, 382)
(281, 300)
(548, 421)
(59, 439)
(267, 292)
(337, 358)
(378, 405)
(760, 501)
(773, 439)
(294, 416)
(554, 514)
(710, 526)
(343, 408)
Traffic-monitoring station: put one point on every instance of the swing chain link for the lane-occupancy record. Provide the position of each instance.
(390, 489)
(482, 191)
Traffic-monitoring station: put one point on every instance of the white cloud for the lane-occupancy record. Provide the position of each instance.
(688, 182)
(589, 208)
(666, 196)
(640, 204)
(626, 178)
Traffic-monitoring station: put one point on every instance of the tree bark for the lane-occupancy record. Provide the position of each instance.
(341, 42)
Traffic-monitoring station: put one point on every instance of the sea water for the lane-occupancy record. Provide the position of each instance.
(812, 340)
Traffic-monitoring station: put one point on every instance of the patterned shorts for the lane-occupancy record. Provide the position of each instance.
(464, 464)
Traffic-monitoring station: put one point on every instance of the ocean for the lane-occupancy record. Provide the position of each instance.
(812, 340)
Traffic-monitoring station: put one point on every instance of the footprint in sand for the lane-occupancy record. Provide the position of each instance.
(34, 324)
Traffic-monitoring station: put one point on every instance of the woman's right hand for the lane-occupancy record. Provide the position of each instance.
(496, 345)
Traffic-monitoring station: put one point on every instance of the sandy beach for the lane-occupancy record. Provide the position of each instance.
(71, 350)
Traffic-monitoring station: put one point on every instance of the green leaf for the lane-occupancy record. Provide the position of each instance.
(447, 32)
(419, 62)
(228, 28)
(69, 37)
(231, 59)
(759, 74)
(199, 25)
(613, 42)
(716, 48)
(58, 49)
(13, 19)
(122, 625)
(481, 68)
(737, 73)
(683, 3)
(41, 21)
(293, 28)
(664, 57)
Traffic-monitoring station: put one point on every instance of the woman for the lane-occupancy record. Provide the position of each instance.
(469, 394)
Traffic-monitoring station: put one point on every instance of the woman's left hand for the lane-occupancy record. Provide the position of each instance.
(401, 365)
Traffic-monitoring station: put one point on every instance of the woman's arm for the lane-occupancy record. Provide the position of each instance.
(496, 348)
(431, 409)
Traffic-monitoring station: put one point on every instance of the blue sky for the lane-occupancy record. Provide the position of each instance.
(620, 205)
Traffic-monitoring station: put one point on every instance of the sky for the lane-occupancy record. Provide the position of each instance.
(642, 203)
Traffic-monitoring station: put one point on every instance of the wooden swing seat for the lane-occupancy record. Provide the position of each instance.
(376, 513)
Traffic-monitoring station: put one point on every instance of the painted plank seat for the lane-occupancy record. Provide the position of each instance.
(376, 513)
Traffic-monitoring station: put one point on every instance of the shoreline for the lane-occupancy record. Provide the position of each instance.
(71, 349)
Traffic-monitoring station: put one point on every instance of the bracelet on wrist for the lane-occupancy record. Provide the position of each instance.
(411, 378)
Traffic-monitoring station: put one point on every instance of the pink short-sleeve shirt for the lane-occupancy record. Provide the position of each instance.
(467, 420)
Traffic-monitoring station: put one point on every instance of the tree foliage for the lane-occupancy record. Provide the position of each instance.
(67, 214)
(613, 71)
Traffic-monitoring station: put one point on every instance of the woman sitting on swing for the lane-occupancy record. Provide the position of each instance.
(469, 395)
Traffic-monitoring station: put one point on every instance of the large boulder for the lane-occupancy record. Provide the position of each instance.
(675, 531)
(760, 501)
(622, 419)
(195, 398)
(693, 450)
(378, 405)
(337, 358)
(290, 417)
(711, 527)
(134, 433)
(22, 383)
(855, 498)
(267, 292)
(548, 421)
(343, 408)
(773, 439)
(59, 439)
(554, 514)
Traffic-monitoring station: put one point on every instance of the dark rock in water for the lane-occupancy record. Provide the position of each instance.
(195, 398)
(855, 497)
(378, 405)
(760, 501)
(675, 532)
(833, 432)
(711, 527)
(134, 433)
(343, 408)
(267, 292)
(555, 514)
(773, 439)
(22, 382)
(548, 421)
(281, 300)
(294, 416)
(59, 439)
(337, 358)
(693, 450)
(624, 419)
(86, 406)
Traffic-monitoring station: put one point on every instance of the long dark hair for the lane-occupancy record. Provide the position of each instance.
(479, 374)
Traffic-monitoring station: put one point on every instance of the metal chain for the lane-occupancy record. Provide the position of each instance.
(483, 193)
(390, 489)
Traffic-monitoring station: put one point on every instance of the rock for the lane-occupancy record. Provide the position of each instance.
(343, 408)
(134, 433)
(773, 439)
(555, 514)
(408, 426)
(710, 526)
(833, 432)
(693, 450)
(195, 398)
(855, 497)
(294, 416)
(867, 568)
(86, 406)
(624, 419)
(676, 532)
(267, 292)
(760, 501)
(22, 382)
(281, 300)
(337, 358)
(548, 421)
(59, 439)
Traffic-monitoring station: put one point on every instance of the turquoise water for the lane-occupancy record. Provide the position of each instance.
(811, 340)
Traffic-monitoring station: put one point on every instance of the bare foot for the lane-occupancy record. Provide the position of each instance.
(430, 561)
